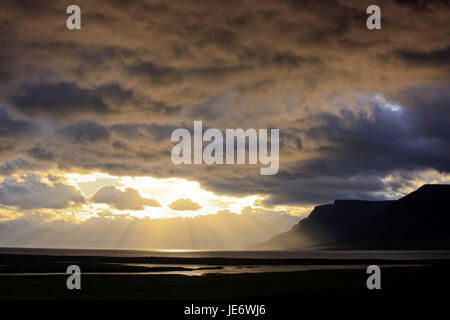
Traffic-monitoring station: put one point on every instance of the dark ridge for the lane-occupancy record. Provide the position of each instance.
(419, 220)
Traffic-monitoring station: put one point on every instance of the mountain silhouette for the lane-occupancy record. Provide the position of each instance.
(420, 220)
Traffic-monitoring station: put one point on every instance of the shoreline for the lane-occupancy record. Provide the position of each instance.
(273, 286)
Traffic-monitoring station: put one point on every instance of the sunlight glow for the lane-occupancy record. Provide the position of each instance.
(165, 191)
(386, 104)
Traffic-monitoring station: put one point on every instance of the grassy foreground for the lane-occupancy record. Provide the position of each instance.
(266, 286)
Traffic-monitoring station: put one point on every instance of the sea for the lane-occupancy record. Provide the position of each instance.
(201, 270)
(236, 254)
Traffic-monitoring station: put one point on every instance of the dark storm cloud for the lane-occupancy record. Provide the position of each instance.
(15, 134)
(389, 141)
(59, 99)
(290, 140)
(5, 74)
(156, 75)
(86, 131)
(119, 144)
(14, 128)
(326, 189)
(420, 4)
(355, 150)
(437, 57)
(128, 131)
(40, 153)
(10, 167)
(158, 132)
(112, 92)
(308, 191)
(187, 53)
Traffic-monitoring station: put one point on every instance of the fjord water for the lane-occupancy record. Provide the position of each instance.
(193, 263)
(236, 254)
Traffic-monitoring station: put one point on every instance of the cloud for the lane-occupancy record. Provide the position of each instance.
(184, 204)
(156, 75)
(11, 128)
(129, 199)
(436, 57)
(80, 104)
(197, 54)
(10, 167)
(31, 193)
(57, 99)
(86, 131)
(40, 153)
(348, 153)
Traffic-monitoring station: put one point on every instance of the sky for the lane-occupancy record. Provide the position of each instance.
(86, 115)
